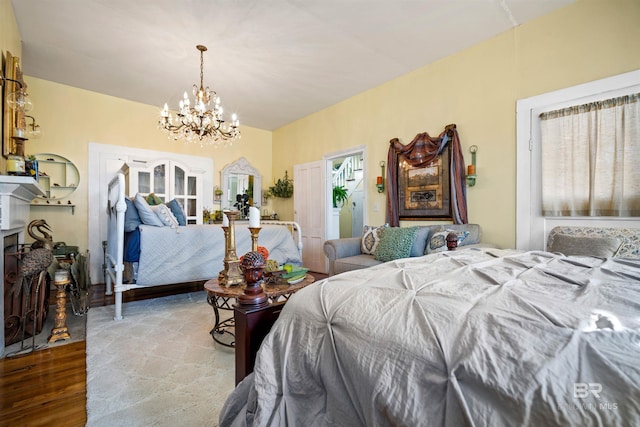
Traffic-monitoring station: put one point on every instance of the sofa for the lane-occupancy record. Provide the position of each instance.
(351, 253)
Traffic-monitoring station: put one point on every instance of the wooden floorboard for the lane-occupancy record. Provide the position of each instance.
(45, 388)
(49, 386)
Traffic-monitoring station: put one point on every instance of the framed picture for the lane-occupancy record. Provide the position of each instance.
(10, 118)
(424, 192)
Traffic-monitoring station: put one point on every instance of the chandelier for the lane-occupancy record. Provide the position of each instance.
(200, 122)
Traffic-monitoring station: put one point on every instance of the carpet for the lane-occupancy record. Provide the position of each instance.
(75, 325)
(158, 366)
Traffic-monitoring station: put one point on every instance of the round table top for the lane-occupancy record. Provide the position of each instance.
(272, 290)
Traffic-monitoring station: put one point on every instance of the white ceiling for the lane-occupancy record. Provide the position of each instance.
(271, 61)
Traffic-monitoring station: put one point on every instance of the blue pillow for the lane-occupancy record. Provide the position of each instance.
(131, 218)
(147, 216)
(177, 211)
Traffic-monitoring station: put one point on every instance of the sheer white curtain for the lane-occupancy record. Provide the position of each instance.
(591, 159)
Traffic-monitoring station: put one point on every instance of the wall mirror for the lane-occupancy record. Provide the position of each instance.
(239, 178)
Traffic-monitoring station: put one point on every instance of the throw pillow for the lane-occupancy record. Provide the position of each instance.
(420, 241)
(370, 239)
(177, 211)
(153, 200)
(438, 241)
(395, 243)
(131, 218)
(585, 246)
(164, 214)
(147, 216)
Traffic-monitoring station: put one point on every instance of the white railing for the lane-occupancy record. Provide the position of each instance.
(346, 176)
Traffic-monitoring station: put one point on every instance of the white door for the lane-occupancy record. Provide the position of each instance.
(308, 211)
(357, 218)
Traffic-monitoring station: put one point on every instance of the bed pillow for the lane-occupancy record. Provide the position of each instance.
(131, 218)
(177, 211)
(371, 238)
(153, 200)
(438, 241)
(585, 246)
(164, 214)
(395, 243)
(147, 216)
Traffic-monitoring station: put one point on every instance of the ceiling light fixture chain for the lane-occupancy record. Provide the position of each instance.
(199, 123)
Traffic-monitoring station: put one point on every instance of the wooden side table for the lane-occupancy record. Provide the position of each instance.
(223, 298)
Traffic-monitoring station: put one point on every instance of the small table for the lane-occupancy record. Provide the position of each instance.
(223, 298)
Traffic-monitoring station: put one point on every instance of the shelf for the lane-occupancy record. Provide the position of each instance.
(59, 170)
(55, 205)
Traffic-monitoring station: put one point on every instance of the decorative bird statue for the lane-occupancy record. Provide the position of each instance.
(32, 264)
(38, 259)
(44, 241)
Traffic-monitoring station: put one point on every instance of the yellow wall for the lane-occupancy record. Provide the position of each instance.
(71, 118)
(477, 89)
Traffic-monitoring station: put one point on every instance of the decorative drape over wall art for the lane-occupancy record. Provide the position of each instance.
(423, 150)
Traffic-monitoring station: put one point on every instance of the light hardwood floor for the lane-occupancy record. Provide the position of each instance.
(49, 387)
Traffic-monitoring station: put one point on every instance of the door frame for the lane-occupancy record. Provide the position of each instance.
(328, 162)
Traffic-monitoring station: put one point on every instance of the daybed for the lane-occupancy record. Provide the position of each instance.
(477, 336)
(179, 254)
(353, 253)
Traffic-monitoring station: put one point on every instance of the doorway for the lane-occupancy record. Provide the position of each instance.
(346, 169)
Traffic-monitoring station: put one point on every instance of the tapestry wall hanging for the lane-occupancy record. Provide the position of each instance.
(424, 192)
(426, 179)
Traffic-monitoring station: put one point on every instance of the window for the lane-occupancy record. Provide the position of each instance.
(591, 159)
(532, 226)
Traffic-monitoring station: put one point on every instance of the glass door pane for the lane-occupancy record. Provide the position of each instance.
(179, 184)
(159, 175)
(192, 188)
(144, 182)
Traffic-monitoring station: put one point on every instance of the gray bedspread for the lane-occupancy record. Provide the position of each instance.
(196, 252)
(480, 337)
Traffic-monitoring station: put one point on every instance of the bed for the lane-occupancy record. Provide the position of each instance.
(163, 255)
(468, 337)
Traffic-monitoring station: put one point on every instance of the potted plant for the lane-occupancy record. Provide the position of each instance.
(282, 188)
(339, 195)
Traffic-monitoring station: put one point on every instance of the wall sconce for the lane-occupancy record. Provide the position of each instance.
(380, 179)
(34, 131)
(18, 100)
(471, 169)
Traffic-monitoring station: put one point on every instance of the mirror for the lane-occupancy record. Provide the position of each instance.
(241, 178)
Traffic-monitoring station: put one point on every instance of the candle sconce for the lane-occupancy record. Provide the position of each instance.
(380, 179)
(471, 169)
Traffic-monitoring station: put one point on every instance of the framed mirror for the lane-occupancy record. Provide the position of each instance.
(239, 178)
